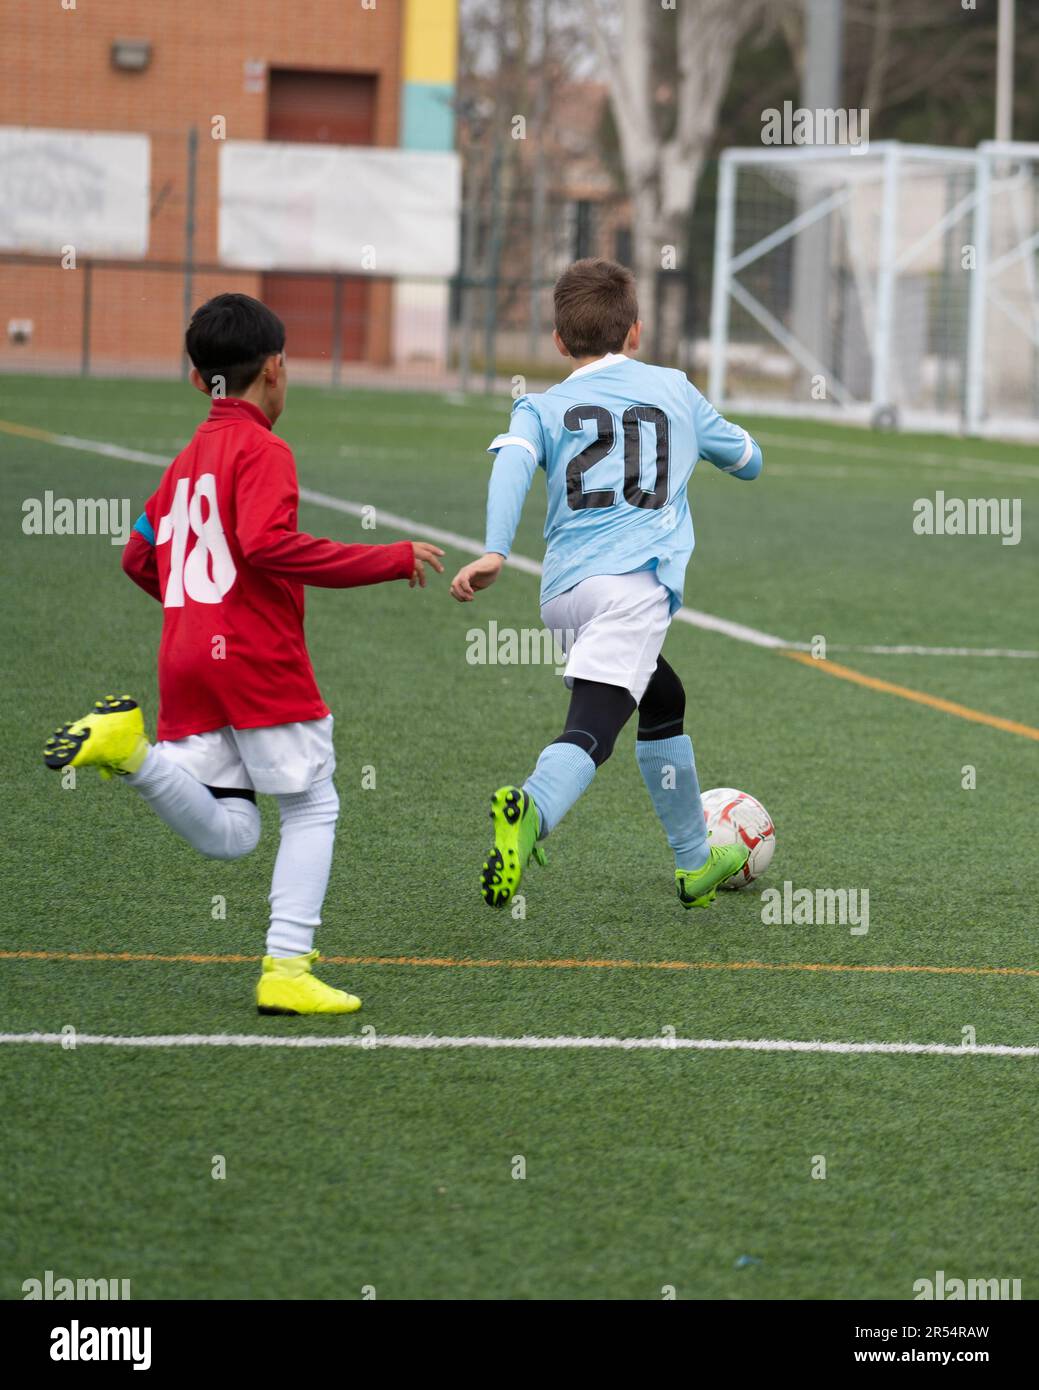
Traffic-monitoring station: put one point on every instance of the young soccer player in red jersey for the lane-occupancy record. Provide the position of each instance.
(239, 708)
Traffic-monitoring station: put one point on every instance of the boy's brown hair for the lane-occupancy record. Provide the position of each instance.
(595, 304)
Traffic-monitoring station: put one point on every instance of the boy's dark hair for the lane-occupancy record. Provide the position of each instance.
(231, 336)
(595, 304)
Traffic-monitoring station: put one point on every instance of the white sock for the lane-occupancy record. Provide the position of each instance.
(221, 828)
(308, 827)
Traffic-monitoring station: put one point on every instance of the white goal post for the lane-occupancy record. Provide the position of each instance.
(893, 285)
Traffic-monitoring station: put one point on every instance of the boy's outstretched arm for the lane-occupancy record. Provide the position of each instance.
(511, 476)
(267, 496)
(728, 446)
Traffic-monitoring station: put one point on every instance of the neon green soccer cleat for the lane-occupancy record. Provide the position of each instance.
(515, 820)
(697, 887)
(111, 737)
(287, 986)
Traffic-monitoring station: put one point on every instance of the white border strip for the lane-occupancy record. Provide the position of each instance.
(922, 651)
(432, 1042)
(695, 617)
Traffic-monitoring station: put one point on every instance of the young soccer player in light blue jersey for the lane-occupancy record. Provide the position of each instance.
(618, 441)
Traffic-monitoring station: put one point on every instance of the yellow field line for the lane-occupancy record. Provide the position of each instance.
(28, 431)
(456, 962)
(976, 716)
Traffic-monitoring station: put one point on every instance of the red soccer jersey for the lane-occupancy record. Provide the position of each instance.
(218, 546)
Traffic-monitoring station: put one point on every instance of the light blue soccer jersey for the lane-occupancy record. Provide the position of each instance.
(618, 440)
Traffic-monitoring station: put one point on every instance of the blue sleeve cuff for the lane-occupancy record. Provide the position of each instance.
(143, 527)
(753, 468)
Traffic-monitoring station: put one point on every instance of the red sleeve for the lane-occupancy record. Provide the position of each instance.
(140, 564)
(266, 499)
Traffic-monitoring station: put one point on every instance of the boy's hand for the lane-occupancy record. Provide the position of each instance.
(425, 554)
(478, 574)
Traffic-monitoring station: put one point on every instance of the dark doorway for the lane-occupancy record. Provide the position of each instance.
(337, 108)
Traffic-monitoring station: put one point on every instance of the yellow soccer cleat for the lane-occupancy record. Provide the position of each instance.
(288, 987)
(111, 737)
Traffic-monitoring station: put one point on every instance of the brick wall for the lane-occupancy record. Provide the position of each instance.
(56, 70)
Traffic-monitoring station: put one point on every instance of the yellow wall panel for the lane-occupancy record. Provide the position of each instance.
(430, 40)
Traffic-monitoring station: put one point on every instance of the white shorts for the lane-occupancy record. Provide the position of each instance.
(611, 628)
(280, 759)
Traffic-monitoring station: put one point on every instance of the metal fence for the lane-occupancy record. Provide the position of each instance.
(102, 315)
(127, 317)
(109, 317)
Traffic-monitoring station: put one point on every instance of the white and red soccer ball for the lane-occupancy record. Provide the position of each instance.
(735, 817)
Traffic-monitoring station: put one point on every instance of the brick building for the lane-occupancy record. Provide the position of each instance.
(352, 72)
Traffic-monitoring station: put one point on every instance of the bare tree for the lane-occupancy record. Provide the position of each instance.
(924, 69)
(663, 144)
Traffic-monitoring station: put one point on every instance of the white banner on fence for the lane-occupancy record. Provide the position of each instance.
(361, 210)
(74, 188)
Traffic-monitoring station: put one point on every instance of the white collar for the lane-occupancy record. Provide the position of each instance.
(598, 364)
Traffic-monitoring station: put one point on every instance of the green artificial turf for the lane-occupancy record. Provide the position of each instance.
(358, 1168)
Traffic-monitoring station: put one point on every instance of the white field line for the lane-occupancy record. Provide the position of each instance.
(919, 651)
(806, 444)
(836, 452)
(424, 1042)
(707, 622)
(112, 451)
(822, 470)
(836, 468)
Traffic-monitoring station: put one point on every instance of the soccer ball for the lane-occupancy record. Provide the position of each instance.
(732, 816)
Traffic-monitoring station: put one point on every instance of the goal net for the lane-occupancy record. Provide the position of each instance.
(894, 286)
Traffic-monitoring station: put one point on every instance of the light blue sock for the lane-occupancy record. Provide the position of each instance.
(562, 773)
(669, 772)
